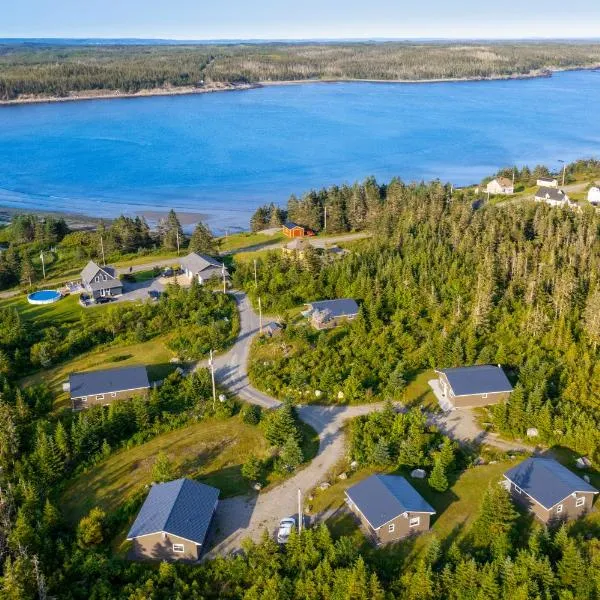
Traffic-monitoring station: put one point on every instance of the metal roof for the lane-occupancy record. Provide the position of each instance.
(343, 307)
(547, 481)
(381, 498)
(477, 379)
(200, 262)
(549, 193)
(291, 225)
(182, 507)
(90, 383)
(91, 270)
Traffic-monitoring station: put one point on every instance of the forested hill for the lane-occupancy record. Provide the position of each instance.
(55, 71)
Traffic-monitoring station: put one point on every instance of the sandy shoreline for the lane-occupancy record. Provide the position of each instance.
(232, 87)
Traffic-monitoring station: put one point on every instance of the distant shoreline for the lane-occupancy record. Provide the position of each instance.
(231, 87)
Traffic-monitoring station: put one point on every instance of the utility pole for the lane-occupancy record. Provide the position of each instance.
(212, 375)
(255, 275)
(224, 284)
(43, 265)
(102, 248)
(259, 315)
(299, 511)
(564, 171)
(177, 236)
(325, 227)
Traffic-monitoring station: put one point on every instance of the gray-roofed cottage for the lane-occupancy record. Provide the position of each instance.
(552, 196)
(173, 521)
(477, 385)
(100, 281)
(549, 490)
(330, 313)
(389, 507)
(102, 387)
(202, 267)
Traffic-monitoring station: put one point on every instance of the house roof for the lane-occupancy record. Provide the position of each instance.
(381, 498)
(342, 307)
(291, 225)
(90, 383)
(548, 179)
(550, 194)
(504, 181)
(182, 507)
(547, 481)
(200, 262)
(477, 379)
(91, 270)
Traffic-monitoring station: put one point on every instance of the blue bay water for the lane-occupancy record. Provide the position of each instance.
(223, 154)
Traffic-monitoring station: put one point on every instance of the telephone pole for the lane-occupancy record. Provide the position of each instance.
(564, 170)
(259, 315)
(102, 249)
(177, 236)
(325, 227)
(212, 376)
(43, 265)
(255, 275)
(224, 284)
(299, 511)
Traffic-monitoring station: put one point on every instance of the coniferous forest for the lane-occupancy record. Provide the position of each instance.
(48, 70)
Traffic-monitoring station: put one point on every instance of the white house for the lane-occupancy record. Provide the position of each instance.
(202, 267)
(500, 185)
(594, 195)
(550, 182)
(552, 196)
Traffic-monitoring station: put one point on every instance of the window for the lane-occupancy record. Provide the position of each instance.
(518, 490)
(391, 528)
(414, 522)
(580, 501)
(100, 397)
(559, 508)
(178, 548)
(84, 398)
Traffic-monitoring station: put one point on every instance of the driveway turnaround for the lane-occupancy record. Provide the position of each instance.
(249, 516)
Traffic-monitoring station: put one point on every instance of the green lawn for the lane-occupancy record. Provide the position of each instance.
(152, 353)
(211, 451)
(418, 392)
(247, 239)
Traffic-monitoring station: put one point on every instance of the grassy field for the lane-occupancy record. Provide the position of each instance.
(153, 353)
(211, 451)
(65, 311)
(247, 239)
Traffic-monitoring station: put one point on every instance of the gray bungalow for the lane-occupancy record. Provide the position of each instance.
(549, 490)
(104, 386)
(477, 385)
(202, 267)
(100, 281)
(173, 521)
(326, 314)
(389, 508)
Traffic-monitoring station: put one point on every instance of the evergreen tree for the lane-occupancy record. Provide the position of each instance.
(437, 479)
(162, 470)
(252, 469)
(171, 231)
(202, 240)
(291, 456)
(90, 531)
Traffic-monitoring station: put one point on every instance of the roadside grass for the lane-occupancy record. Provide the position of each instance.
(418, 392)
(247, 239)
(152, 353)
(211, 451)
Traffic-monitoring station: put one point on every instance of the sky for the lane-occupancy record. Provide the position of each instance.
(300, 19)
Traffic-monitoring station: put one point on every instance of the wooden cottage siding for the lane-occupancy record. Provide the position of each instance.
(94, 399)
(294, 232)
(159, 546)
(569, 511)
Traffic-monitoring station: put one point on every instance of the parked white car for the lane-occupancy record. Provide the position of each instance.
(285, 528)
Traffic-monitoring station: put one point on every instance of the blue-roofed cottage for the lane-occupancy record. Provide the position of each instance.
(389, 508)
(549, 490)
(173, 521)
(478, 385)
(293, 230)
(326, 314)
(106, 385)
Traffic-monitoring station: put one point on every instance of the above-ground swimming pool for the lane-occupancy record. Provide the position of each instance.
(43, 297)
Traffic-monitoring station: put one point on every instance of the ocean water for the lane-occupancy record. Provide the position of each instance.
(223, 154)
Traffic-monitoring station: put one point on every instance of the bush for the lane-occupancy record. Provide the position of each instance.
(251, 414)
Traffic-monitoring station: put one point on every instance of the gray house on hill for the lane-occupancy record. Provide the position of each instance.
(173, 521)
(477, 385)
(202, 267)
(100, 281)
(389, 508)
(549, 490)
(104, 386)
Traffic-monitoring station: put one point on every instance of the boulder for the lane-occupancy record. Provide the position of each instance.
(583, 462)
(354, 464)
(318, 393)
(342, 476)
(586, 478)
(532, 432)
(340, 395)
(324, 485)
(418, 474)
(257, 487)
(479, 461)
(222, 397)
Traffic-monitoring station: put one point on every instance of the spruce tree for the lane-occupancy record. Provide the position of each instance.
(202, 240)
(437, 479)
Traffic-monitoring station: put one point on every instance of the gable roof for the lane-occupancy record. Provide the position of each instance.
(291, 225)
(547, 481)
(90, 383)
(91, 270)
(342, 307)
(477, 379)
(504, 181)
(182, 507)
(200, 262)
(381, 498)
(550, 194)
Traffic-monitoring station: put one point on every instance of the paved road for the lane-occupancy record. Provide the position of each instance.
(248, 516)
